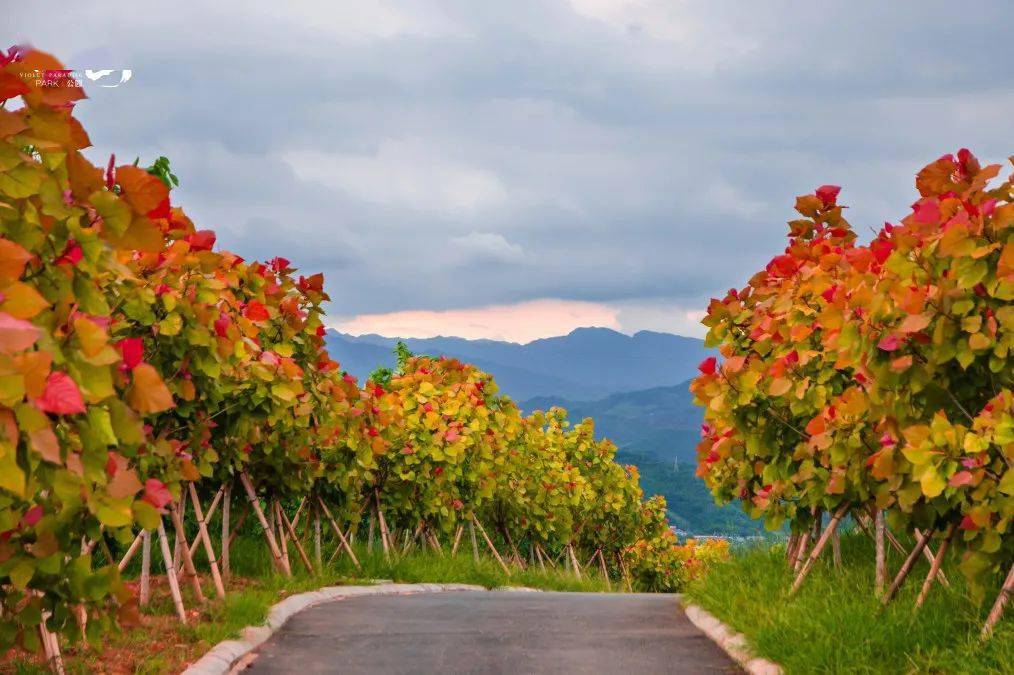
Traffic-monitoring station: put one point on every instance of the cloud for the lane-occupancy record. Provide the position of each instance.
(432, 155)
(521, 322)
(488, 246)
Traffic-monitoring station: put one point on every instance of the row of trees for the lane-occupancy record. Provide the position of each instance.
(141, 366)
(864, 379)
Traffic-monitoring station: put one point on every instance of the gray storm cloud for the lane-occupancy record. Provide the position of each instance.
(431, 156)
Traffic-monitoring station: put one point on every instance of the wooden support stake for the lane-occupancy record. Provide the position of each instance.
(906, 567)
(209, 550)
(938, 560)
(496, 554)
(819, 546)
(295, 540)
(338, 531)
(881, 553)
(1001, 601)
(457, 539)
(178, 543)
(538, 556)
(574, 562)
(804, 544)
(129, 555)
(51, 647)
(226, 539)
(276, 554)
(196, 543)
(928, 554)
(369, 541)
(170, 573)
(188, 562)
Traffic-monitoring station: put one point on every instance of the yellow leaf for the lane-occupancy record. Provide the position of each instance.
(149, 393)
(979, 341)
(932, 483)
(22, 301)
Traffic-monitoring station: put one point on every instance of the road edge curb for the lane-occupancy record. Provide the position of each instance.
(221, 658)
(731, 642)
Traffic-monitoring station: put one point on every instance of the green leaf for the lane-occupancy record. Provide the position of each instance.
(22, 573)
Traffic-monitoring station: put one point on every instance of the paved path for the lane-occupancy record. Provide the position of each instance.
(493, 632)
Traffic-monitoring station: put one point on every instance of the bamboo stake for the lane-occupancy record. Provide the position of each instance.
(283, 540)
(295, 540)
(435, 543)
(196, 543)
(819, 546)
(209, 550)
(457, 539)
(574, 562)
(938, 560)
(338, 531)
(144, 594)
(804, 543)
(928, 554)
(538, 556)
(51, 647)
(276, 554)
(188, 562)
(625, 572)
(170, 573)
(906, 566)
(1001, 601)
(226, 539)
(136, 544)
(475, 545)
(496, 554)
(881, 553)
(510, 542)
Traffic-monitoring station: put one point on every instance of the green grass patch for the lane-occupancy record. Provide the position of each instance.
(834, 623)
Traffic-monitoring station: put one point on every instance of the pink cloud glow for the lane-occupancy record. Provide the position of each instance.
(521, 322)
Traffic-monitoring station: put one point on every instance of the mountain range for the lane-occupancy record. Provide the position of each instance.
(635, 388)
(586, 364)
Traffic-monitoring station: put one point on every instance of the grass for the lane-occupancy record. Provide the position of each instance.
(162, 645)
(833, 624)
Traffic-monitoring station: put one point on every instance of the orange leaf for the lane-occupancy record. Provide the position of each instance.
(734, 364)
(44, 442)
(779, 386)
(914, 323)
(142, 190)
(816, 426)
(13, 258)
(124, 483)
(149, 393)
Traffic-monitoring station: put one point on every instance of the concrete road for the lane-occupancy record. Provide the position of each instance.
(493, 632)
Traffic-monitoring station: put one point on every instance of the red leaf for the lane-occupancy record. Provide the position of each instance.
(163, 210)
(828, 194)
(255, 311)
(156, 493)
(16, 334)
(71, 255)
(61, 397)
(279, 264)
(202, 240)
(222, 324)
(927, 211)
(32, 516)
(707, 366)
(968, 524)
(132, 351)
(889, 343)
(111, 172)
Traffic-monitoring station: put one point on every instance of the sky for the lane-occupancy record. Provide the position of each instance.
(514, 170)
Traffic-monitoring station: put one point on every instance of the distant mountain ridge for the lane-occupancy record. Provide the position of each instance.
(586, 364)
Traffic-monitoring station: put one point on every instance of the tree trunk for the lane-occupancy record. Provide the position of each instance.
(881, 553)
(144, 593)
(316, 538)
(475, 543)
(226, 505)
